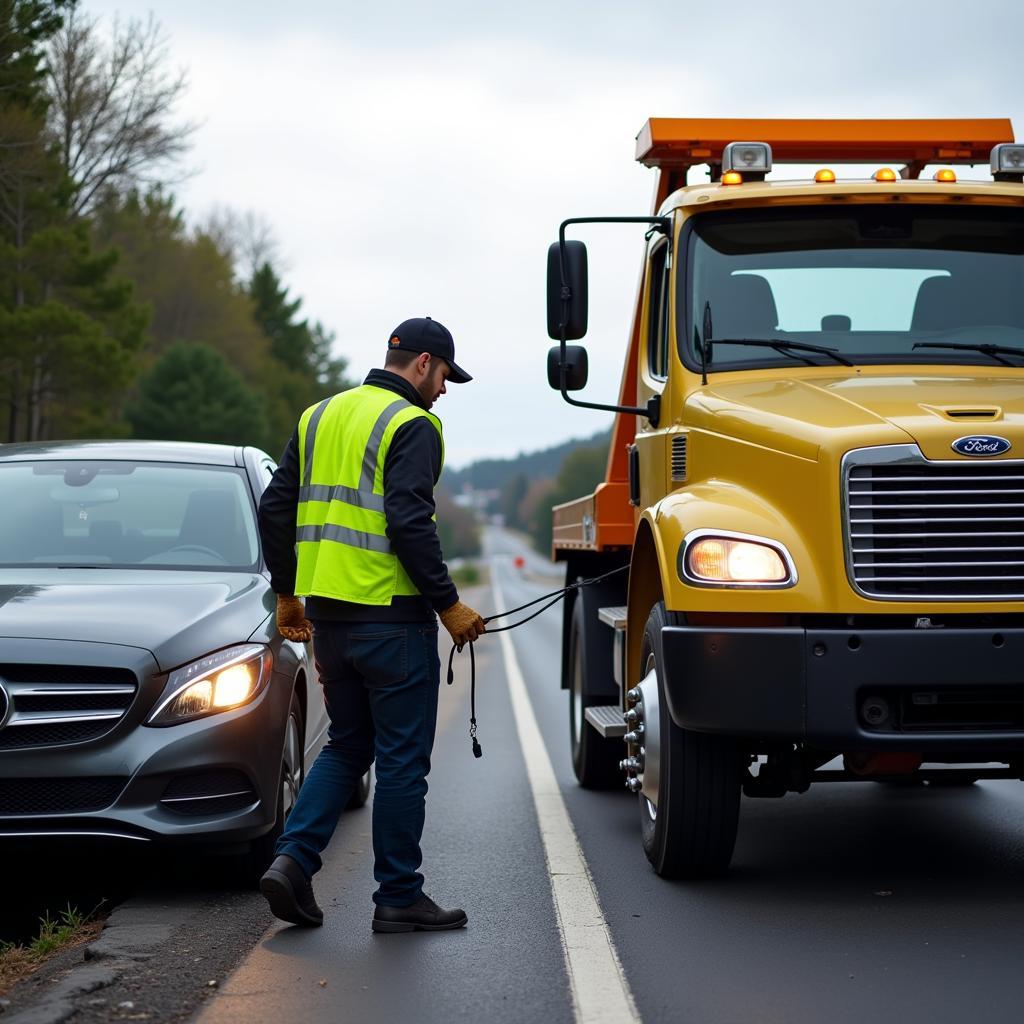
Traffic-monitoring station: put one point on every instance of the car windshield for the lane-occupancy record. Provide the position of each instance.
(125, 515)
(870, 282)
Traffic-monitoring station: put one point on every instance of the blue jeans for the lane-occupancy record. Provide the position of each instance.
(380, 682)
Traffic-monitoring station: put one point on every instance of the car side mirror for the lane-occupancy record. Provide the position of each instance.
(576, 367)
(567, 304)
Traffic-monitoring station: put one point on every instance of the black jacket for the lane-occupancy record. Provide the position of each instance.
(411, 471)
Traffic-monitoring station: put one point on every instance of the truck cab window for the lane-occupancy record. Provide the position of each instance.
(657, 314)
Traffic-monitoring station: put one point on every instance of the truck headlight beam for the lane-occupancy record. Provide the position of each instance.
(721, 558)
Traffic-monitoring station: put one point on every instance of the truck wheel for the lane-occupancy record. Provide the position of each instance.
(689, 811)
(595, 760)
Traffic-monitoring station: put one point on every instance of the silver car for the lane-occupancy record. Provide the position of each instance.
(145, 693)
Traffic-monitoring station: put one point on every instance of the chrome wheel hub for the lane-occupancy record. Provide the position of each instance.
(642, 764)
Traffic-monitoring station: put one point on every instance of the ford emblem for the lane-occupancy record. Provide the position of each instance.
(981, 444)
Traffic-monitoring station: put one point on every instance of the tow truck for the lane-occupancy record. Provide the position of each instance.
(815, 484)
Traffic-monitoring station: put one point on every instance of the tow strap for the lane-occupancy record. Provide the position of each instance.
(555, 596)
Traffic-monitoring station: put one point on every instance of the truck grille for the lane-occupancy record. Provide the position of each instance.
(944, 530)
(53, 705)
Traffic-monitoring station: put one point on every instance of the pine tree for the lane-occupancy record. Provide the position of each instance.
(192, 394)
(291, 341)
(69, 330)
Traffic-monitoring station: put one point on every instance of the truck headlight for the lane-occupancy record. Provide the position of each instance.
(219, 682)
(721, 558)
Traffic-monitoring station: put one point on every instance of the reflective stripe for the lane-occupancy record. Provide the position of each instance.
(349, 495)
(314, 420)
(343, 535)
(369, 473)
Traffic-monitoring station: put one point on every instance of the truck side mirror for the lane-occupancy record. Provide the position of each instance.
(567, 309)
(575, 367)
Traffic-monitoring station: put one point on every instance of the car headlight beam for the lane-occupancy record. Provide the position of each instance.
(720, 558)
(219, 682)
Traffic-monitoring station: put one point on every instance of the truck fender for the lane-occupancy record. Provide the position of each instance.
(646, 589)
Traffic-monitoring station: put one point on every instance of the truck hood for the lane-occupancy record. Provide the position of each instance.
(177, 616)
(802, 415)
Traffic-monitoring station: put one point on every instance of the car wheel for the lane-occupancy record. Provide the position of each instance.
(690, 794)
(595, 760)
(361, 794)
(293, 774)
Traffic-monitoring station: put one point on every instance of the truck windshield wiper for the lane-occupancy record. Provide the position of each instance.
(783, 346)
(996, 352)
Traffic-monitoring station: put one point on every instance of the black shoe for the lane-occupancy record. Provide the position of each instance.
(290, 893)
(422, 916)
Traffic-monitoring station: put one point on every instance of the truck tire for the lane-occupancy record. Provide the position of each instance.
(595, 760)
(692, 831)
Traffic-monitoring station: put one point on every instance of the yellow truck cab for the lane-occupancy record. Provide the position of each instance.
(815, 488)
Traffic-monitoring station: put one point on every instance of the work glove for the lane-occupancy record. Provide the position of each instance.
(292, 623)
(464, 624)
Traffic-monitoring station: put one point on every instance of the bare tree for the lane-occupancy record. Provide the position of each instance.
(246, 237)
(112, 110)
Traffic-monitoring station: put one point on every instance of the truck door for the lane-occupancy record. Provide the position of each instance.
(649, 457)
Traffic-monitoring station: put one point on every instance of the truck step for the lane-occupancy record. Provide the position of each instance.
(607, 720)
(614, 616)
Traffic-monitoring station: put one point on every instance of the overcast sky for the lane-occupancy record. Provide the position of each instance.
(416, 159)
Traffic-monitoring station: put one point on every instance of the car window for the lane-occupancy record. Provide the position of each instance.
(125, 514)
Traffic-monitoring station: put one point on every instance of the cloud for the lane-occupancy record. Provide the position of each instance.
(417, 159)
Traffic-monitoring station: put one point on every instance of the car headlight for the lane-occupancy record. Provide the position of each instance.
(725, 559)
(219, 682)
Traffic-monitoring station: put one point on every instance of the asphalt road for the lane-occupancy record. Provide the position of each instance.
(852, 902)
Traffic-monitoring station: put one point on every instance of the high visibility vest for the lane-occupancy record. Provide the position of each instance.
(341, 532)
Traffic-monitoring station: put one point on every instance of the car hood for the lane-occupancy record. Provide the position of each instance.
(802, 415)
(177, 616)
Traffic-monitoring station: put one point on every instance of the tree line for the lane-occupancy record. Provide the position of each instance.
(119, 318)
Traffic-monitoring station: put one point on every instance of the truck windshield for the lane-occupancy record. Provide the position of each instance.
(869, 282)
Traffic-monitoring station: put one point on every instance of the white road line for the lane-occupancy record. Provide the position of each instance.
(600, 992)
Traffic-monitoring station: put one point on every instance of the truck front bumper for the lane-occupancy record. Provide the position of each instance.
(947, 691)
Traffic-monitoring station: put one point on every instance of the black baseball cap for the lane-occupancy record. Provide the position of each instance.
(421, 334)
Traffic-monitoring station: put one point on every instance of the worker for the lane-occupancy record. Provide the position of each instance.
(347, 522)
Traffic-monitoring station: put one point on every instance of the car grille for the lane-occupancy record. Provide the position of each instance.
(58, 796)
(944, 530)
(52, 705)
(214, 792)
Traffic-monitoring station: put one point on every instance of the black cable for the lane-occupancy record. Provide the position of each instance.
(556, 595)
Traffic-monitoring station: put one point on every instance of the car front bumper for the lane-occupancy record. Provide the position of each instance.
(215, 780)
(944, 691)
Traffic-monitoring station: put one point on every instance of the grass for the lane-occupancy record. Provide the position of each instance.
(467, 575)
(70, 928)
